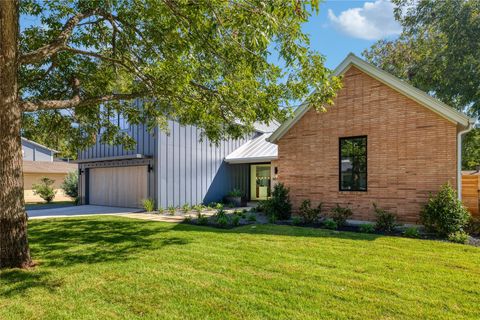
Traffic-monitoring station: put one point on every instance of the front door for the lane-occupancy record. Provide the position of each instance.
(260, 181)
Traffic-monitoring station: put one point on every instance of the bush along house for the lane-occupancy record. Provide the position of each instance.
(382, 141)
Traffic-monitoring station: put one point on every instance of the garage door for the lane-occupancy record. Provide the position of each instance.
(118, 186)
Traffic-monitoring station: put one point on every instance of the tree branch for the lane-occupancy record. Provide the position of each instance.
(76, 102)
(58, 44)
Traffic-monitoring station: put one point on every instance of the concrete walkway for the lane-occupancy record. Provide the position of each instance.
(76, 211)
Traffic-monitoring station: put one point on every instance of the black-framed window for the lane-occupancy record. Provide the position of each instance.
(353, 164)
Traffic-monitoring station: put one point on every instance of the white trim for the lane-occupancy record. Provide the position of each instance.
(251, 160)
(393, 82)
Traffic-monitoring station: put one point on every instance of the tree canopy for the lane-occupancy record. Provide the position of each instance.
(204, 63)
(438, 51)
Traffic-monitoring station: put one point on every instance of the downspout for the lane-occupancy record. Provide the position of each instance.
(471, 124)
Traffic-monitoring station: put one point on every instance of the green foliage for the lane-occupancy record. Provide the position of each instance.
(272, 218)
(219, 206)
(236, 220)
(161, 210)
(458, 237)
(438, 52)
(186, 208)
(411, 232)
(367, 228)
(44, 189)
(205, 64)
(148, 205)
(296, 220)
(235, 193)
(70, 185)
(222, 221)
(187, 219)
(197, 208)
(385, 221)
(340, 214)
(202, 219)
(444, 213)
(252, 217)
(279, 204)
(171, 210)
(330, 224)
(309, 214)
(473, 227)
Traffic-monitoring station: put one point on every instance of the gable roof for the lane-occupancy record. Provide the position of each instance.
(39, 145)
(393, 82)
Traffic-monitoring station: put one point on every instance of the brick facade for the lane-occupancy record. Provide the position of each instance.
(411, 150)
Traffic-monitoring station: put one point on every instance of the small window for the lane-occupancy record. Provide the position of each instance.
(353, 164)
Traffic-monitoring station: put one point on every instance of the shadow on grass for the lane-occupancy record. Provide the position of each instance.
(63, 242)
(15, 282)
(281, 230)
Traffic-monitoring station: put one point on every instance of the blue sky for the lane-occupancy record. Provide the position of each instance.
(344, 26)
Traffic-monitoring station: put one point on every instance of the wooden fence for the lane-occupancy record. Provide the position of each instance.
(471, 192)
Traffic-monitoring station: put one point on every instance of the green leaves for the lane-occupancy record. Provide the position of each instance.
(201, 63)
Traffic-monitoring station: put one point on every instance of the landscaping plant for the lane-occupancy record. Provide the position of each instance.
(412, 232)
(367, 228)
(444, 213)
(70, 185)
(458, 237)
(279, 204)
(171, 210)
(309, 214)
(296, 221)
(186, 208)
(236, 220)
(44, 189)
(330, 224)
(340, 214)
(148, 205)
(385, 221)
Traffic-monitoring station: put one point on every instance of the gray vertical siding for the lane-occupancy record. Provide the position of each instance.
(34, 152)
(193, 171)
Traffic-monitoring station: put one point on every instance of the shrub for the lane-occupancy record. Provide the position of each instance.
(385, 221)
(309, 214)
(296, 221)
(218, 206)
(161, 210)
(236, 220)
(444, 213)
(70, 185)
(197, 208)
(44, 189)
(340, 214)
(367, 228)
(222, 221)
(279, 204)
(411, 232)
(171, 210)
(458, 237)
(202, 219)
(187, 219)
(186, 208)
(330, 224)
(272, 218)
(252, 217)
(220, 213)
(148, 205)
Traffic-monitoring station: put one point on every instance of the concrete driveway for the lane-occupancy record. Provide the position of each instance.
(75, 211)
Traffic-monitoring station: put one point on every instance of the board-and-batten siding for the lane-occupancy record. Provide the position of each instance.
(145, 145)
(192, 171)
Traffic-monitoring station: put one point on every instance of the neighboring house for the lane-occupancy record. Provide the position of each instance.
(383, 141)
(38, 162)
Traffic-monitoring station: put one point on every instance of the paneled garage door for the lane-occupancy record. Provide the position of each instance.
(118, 186)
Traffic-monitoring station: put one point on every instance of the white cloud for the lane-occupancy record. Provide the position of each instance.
(373, 21)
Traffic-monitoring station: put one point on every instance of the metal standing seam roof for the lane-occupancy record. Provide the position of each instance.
(257, 149)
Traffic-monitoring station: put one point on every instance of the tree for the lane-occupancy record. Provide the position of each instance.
(204, 63)
(438, 51)
(44, 189)
(70, 185)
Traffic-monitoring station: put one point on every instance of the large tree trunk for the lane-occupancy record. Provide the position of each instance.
(14, 251)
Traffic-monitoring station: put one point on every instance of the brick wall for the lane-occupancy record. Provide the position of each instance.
(411, 150)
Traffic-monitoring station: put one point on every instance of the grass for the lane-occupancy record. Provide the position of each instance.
(120, 268)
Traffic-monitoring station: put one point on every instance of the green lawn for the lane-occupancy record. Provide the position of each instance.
(120, 268)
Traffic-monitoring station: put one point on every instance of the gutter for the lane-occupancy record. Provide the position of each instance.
(471, 125)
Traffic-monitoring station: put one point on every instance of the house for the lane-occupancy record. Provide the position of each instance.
(38, 162)
(383, 141)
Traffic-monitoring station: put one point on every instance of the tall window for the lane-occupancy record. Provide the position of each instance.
(353, 164)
